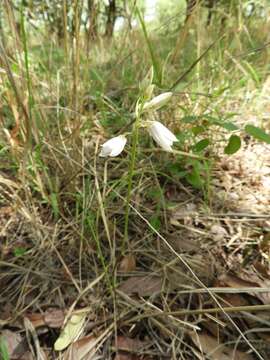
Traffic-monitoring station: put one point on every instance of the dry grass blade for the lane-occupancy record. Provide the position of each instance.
(150, 254)
(212, 349)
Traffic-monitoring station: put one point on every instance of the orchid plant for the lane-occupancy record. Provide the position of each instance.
(145, 107)
(160, 133)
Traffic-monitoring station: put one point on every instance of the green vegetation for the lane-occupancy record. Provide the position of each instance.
(134, 245)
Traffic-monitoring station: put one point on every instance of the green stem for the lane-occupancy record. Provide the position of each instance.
(100, 255)
(130, 178)
(28, 78)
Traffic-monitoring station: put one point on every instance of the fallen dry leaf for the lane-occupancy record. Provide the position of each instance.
(126, 356)
(253, 277)
(129, 348)
(129, 344)
(142, 285)
(218, 232)
(53, 318)
(15, 345)
(71, 330)
(232, 299)
(262, 269)
(82, 348)
(244, 280)
(260, 320)
(128, 263)
(36, 319)
(213, 350)
(32, 338)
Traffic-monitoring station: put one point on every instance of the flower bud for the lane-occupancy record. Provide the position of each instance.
(157, 102)
(148, 92)
(147, 81)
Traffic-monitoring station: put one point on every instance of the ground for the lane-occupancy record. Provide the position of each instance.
(151, 254)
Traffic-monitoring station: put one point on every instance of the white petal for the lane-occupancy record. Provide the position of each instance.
(157, 102)
(105, 151)
(113, 147)
(163, 136)
(165, 132)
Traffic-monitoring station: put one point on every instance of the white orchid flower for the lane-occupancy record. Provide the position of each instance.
(157, 102)
(163, 136)
(113, 147)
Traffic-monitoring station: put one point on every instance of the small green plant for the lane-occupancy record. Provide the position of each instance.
(145, 107)
(3, 349)
(257, 133)
(19, 251)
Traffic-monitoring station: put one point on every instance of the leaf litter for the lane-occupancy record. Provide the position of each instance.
(226, 245)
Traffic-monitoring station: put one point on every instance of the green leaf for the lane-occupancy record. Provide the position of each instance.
(201, 145)
(176, 169)
(54, 204)
(220, 91)
(3, 349)
(190, 118)
(229, 126)
(252, 72)
(230, 115)
(194, 178)
(196, 130)
(155, 63)
(233, 145)
(154, 193)
(155, 222)
(257, 133)
(19, 251)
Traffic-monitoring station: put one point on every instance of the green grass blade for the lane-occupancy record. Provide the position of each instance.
(155, 62)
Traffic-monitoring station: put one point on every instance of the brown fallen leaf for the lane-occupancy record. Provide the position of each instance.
(213, 350)
(128, 263)
(33, 340)
(6, 211)
(232, 299)
(248, 279)
(260, 320)
(53, 318)
(262, 269)
(218, 232)
(15, 345)
(129, 344)
(82, 348)
(183, 241)
(36, 319)
(142, 285)
(129, 348)
(252, 276)
(126, 356)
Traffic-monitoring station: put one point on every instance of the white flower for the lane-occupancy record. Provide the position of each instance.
(163, 136)
(114, 146)
(157, 102)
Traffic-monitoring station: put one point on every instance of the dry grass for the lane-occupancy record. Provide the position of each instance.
(194, 281)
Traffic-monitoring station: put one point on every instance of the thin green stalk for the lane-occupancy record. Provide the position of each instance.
(34, 117)
(25, 50)
(156, 66)
(100, 255)
(130, 178)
